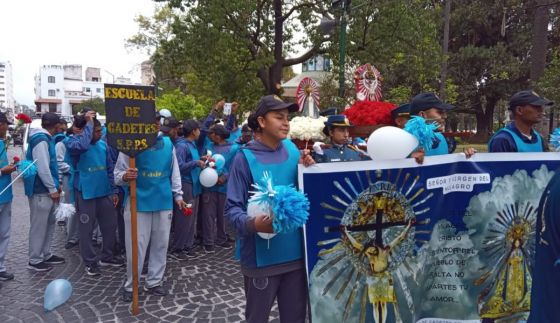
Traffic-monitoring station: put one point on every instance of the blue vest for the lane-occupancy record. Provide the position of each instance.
(153, 186)
(441, 149)
(284, 247)
(522, 147)
(234, 135)
(5, 180)
(33, 184)
(92, 167)
(58, 138)
(229, 159)
(195, 171)
(68, 160)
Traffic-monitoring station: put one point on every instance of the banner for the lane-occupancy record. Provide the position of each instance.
(452, 240)
(131, 117)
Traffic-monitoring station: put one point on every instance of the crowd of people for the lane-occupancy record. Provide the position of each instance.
(175, 213)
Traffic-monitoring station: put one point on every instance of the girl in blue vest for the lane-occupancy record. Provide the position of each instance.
(213, 198)
(272, 269)
(6, 169)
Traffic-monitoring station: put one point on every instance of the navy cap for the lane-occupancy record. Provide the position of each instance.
(273, 102)
(528, 97)
(3, 118)
(189, 126)
(50, 119)
(169, 123)
(328, 112)
(402, 110)
(426, 101)
(219, 130)
(337, 120)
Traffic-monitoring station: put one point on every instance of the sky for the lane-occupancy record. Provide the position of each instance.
(90, 33)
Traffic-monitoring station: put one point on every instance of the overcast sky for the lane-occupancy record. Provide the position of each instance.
(90, 33)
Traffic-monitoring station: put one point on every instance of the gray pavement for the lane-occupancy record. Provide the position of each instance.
(208, 288)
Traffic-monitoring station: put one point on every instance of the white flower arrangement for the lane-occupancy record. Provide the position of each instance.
(307, 128)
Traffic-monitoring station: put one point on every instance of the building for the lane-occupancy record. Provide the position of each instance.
(317, 68)
(7, 102)
(58, 88)
(147, 72)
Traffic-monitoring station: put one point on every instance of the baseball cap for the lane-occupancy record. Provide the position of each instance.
(4, 119)
(426, 101)
(402, 110)
(169, 123)
(50, 119)
(528, 97)
(189, 126)
(219, 130)
(274, 102)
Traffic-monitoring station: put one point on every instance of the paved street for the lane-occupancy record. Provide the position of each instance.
(205, 289)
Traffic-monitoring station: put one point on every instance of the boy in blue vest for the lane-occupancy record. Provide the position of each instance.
(95, 193)
(158, 188)
(43, 191)
(6, 169)
(527, 110)
(545, 295)
(337, 129)
(432, 109)
(272, 269)
(213, 198)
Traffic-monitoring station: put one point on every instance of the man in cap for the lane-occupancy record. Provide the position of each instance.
(430, 107)
(401, 115)
(527, 110)
(6, 169)
(43, 191)
(336, 128)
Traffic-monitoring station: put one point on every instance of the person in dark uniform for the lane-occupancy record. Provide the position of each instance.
(401, 115)
(527, 110)
(336, 128)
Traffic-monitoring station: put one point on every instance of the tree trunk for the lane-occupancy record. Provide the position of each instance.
(275, 71)
(540, 40)
(443, 80)
(484, 120)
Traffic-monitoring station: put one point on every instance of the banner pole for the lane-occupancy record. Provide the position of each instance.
(134, 237)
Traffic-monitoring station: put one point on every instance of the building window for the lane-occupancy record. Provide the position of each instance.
(87, 89)
(52, 107)
(98, 90)
(1, 76)
(52, 93)
(51, 79)
(95, 79)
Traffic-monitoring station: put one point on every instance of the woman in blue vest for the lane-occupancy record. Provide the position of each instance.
(96, 194)
(158, 188)
(43, 191)
(272, 269)
(6, 169)
(527, 110)
(213, 198)
(432, 109)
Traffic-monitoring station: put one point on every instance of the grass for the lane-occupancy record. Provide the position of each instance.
(479, 147)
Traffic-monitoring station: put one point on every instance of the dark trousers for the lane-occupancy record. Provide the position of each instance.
(91, 212)
(289, 288)
(212, 216)
(184, 227)
(121, 245)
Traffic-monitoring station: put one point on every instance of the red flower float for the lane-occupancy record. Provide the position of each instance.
(370, 113)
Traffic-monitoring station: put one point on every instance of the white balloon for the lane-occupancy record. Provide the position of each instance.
(390, 143)
(165, 113)
(208, 177)
(254, 209)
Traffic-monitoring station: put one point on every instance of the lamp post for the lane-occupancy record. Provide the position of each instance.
(344, 4)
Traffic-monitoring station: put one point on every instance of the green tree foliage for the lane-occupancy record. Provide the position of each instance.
(96, 104)
(183, 106)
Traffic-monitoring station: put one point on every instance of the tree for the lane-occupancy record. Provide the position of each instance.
(182, 106)
(96, 104)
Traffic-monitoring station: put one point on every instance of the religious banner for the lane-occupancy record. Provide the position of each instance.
(131, 111)
(452, 240)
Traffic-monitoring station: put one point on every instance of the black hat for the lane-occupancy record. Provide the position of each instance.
(402, 110)
(169, 123)
(219, 130)
(328, 112)
(528, 97)
(273, 102)
(86, 110)
(79, 122)
(49, 119)
(189, 126)
(4, 119)
(426, 101)
(337, 120)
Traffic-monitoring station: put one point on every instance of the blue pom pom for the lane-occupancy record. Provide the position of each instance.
(29, 172)
(423, 131)
(555, 139)
(290, 209)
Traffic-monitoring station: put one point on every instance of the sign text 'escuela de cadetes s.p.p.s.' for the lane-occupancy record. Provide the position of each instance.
(131, 117)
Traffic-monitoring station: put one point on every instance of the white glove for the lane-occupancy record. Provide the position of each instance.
(317, 148)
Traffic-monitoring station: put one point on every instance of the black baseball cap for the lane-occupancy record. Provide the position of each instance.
(189, 126)
(169, 123)
(219, 130)
(50, 119)
(426, 101)
(402, 110)
(528, 97)
(4, 119)
(274, 102)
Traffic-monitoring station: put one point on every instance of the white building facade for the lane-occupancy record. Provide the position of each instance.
(7, 102)
(60, 87)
